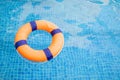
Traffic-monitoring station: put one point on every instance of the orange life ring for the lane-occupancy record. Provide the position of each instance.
(39, 55)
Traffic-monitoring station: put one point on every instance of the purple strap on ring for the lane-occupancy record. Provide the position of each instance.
(55, 31)
(48, 54)
(33, 25)
(20, 43)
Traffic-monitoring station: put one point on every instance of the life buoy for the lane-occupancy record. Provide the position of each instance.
(39, 55)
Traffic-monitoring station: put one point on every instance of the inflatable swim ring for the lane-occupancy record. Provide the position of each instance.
(39, 55)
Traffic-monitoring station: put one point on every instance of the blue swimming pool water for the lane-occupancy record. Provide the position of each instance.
(91, 30)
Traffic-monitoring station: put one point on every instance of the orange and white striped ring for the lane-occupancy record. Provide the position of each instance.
(39, 55)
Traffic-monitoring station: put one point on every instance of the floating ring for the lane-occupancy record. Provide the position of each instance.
(39, 55)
